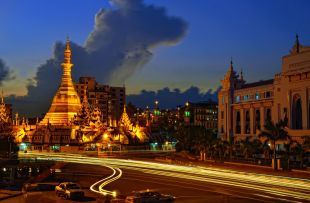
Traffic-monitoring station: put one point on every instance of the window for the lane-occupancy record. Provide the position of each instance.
(238, 127)
(268, 114)
(257, 96)
(257, 120)
(268, 94)
(222, 114)
(246, 97)
(223, 100)
(296, 112)
(247, 122)
(237, 99)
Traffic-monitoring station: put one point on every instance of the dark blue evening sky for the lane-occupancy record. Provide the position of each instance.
(256, 34)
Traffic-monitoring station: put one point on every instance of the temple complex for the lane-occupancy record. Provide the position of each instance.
(74, 121)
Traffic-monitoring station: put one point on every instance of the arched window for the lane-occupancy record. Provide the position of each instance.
(268, 114)
(296, 112)
(257, 120)
(238, 126)
(247, 122)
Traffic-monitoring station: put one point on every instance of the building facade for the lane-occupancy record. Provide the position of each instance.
(110, 99)
(245, 107)
(202, 114)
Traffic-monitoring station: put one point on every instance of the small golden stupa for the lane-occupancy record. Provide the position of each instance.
(66, 103)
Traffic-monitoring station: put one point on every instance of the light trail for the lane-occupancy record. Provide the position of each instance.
(101, 183)
(279, 186)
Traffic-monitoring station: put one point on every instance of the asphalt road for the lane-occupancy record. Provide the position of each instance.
(186, 184)
(184, 191)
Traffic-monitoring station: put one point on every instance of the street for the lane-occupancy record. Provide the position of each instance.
(187, 184)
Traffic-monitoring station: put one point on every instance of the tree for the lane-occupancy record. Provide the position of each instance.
(266, 150)
(229, 147)
(274, 133)
(247, 147)
(289, 146)
(299, 152)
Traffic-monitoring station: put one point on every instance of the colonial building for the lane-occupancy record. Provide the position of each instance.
(245, 107)
(110, 99)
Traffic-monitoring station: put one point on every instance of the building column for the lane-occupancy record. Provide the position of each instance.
(304, 107)
(233, 117)
(262, 118)
(252, 120)
(242, 121)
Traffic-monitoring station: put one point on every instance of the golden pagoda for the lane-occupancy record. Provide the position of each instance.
(66, 103)
(4, 117)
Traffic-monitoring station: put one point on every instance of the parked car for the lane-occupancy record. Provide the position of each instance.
(69, 190)
(34, 191)
(148, 197)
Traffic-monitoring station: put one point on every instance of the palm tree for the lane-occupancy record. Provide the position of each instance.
(288, 151)
(266, 150)
(299, 151)
(229, 148)
(274, 132)
(248, 147)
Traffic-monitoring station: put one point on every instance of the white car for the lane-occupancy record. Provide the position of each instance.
(69, 190)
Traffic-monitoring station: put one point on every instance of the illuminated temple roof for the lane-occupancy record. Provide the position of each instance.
(66, 103)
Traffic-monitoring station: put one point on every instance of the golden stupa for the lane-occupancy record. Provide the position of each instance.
(66, 103)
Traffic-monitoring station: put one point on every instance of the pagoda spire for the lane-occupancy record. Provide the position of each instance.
(297, 44)
(66, 102)
(67, 53)
(231, 68)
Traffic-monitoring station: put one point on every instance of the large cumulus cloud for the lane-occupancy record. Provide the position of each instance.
(120, 44)
(4, 72)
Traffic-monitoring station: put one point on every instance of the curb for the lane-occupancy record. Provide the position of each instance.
(10, 196)
(301, 171)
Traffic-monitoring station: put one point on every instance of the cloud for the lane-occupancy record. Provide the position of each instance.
(171, 98)
(5, 74)
(120, 44)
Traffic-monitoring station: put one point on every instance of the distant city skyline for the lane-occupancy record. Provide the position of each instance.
(204, 36)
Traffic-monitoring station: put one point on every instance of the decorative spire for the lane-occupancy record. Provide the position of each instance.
(124, 111)
(297, 44)
(85, 100)
(67, 54)
(241, 74)
(231, 65)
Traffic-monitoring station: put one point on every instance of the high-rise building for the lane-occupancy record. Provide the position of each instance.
(111, 100)
(245, 107)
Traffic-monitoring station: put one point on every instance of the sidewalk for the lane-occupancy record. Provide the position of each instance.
(5, 194)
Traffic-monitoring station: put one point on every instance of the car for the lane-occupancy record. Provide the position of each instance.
(148, 197)
(69, 190)
(34, 191)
